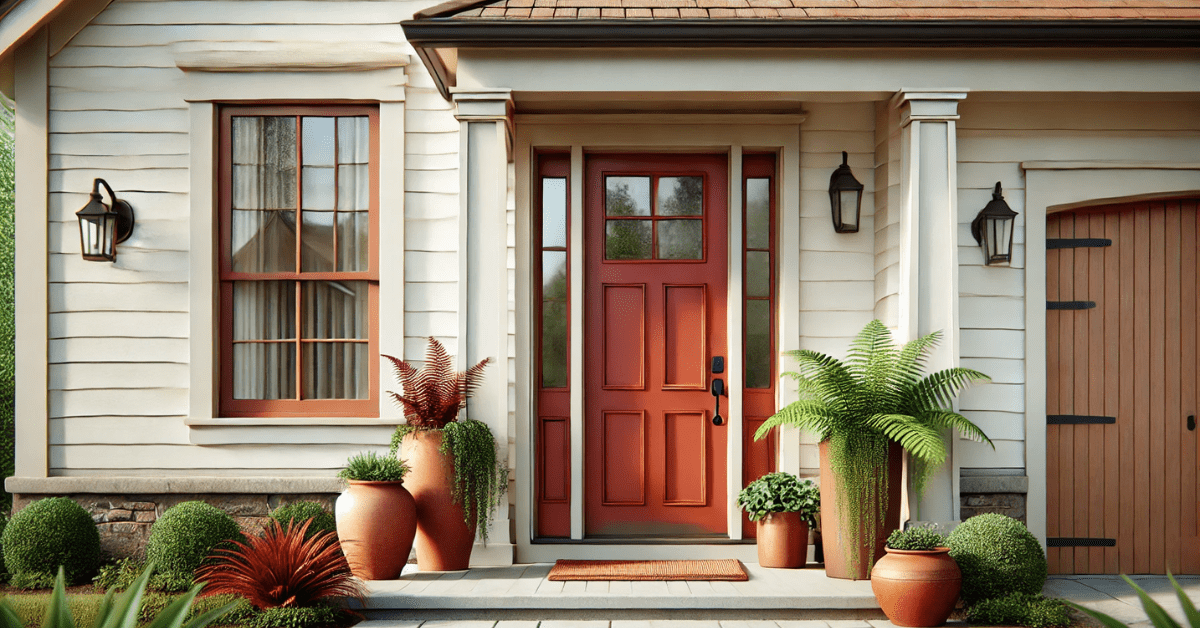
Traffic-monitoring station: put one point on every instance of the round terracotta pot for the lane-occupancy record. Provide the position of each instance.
(375, 526)
(916, 588)
(444, 540)
(782, 540)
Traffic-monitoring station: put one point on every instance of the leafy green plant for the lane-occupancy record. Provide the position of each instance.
(916, 538)
(858, 405)
(780, 492)
(1154, 612)
(432, 399)
(183, 537)
(998, 556)
(46, 534)
(7, 296)
(299, 512)
(371, 467)
(295, 617)
(1019, 609)
(116, 611)
(118, 575)
(154, 602)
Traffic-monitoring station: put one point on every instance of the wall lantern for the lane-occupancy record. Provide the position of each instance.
(993, 229)
(101, 228)
(845, 196)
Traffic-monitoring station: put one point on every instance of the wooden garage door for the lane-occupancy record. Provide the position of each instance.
(1121, 389)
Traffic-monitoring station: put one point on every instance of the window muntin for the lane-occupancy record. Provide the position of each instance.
(759, 282)
(670, 228)
(554, 296)
(299, 282)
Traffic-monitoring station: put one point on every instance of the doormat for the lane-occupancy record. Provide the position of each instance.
(727, 569)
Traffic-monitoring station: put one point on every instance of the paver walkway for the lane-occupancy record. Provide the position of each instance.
(1113, 596)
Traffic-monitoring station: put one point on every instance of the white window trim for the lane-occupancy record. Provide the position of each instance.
(1055, 186)
(205, 89)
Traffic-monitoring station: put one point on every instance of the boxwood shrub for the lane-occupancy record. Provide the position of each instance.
(1020, 609)
(182, 538)
(300, 512)
(998, 556)
(48, 533)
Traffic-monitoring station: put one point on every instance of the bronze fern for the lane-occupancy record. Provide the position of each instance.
(434, 394)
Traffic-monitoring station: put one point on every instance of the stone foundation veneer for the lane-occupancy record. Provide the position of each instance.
(125, 508)
(1003, 494)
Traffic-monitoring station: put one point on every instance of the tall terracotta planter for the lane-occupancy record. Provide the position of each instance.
(375, 526)
(782, 540)
(917, 588)
(443, 540)
(836, 534)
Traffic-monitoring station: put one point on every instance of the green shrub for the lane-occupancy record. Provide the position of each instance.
(371, 467)
(46, 534)
(154, 603)
(119, 575)
(780, 492)
(294, 617)
(998, 556)
(916, 538)
(299, 512)
(1020, 609)
(7, 293)
(182, 538)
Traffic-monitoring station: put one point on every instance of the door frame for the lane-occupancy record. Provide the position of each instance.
(1052, 186)
(712, 133)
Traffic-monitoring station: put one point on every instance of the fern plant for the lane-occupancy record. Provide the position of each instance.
(433, 396)
(858, 405)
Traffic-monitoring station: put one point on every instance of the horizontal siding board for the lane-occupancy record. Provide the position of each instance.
(106, 297)
(1074, 114)
(431, 266)
(1001, 371)
(293, 435)
(152, 121)
(993, 397)
(189, 457)
(835, 266)
(118, 163)
(992, 312)
(66, 350)
(128, 56)
(1008, 454)
(998, 425)
(834, 142)
(990, 281)
(984, 146)
(430, 205)
(992, 343)
(127, 80)
(73, 99)
(437, 121)
(426, 99)
(431, 235)
(418, 142)
(118, 375)
(438, 181)
(119, 402)
(972, 175)
(430, 162)
(118, 430)
(119, 325)
(852, 116)
(415, 346)
(118, 143)
(132, 266)
(431, 323)
(429, 297)
(146, 179)
(148, 235)
(168, 206)
(817, 234)
(818, 296)
(100, 34)
(269, 12)
(835, 324)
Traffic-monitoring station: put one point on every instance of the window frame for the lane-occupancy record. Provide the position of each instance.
(228, 406)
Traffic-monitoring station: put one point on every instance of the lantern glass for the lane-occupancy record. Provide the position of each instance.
(993, 229)
(97, 227)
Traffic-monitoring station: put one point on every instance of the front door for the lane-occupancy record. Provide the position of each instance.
(655, 318)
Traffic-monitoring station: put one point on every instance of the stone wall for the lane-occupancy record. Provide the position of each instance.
(124, 520)
(1005, 495)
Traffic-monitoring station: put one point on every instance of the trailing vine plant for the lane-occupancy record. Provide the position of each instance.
(859, 405)
(433, 396)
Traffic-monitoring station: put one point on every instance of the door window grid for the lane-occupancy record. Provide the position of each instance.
(654, 217)
(759, 277)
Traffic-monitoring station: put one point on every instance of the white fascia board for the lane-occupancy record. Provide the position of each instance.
(23, 20)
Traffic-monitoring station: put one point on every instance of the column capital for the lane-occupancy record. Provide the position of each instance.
(477, 105)
(938, 104)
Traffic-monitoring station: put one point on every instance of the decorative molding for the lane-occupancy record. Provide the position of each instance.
(1109, 165)
(357, 56)
(159, 484)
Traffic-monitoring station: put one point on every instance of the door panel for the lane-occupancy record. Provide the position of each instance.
(655, 306)
(1121, 384)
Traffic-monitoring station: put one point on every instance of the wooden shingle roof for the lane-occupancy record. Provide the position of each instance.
(834, 10)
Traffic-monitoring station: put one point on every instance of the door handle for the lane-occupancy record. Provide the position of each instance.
(1191, 423)
(718, 389)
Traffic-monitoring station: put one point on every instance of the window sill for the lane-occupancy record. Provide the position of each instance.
(290, 430)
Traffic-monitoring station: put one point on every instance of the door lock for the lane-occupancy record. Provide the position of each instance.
(1191, 423)
(718, 389)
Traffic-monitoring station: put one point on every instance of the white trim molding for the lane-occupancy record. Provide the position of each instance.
(1056, 186)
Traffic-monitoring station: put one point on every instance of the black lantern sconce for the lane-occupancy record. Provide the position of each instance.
(845, 197)
(993, 229)
(102, 227)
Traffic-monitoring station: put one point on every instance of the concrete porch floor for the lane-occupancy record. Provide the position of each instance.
(522, 597)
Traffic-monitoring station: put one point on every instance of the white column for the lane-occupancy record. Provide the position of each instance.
(928, 292)
(484, 136)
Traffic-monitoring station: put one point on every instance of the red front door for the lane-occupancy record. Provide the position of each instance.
(655, 312)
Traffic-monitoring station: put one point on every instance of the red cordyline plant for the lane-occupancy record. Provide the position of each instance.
(434, 394)
(281, 568)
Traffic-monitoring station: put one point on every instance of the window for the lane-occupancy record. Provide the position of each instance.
(298, 261)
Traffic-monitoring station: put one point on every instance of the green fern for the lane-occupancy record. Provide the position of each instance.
(875, 396)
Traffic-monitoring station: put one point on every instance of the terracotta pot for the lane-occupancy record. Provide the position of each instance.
(782, 540)
(917, 588)
(375, 526)
(444, 541)
(836, 534)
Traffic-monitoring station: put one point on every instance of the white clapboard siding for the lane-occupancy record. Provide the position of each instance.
(146, 179)
(836, 265)
(998, 425)
(1075, 115)
(119, 325)
(114, 57)
(132, 266)
(72, 99)
(415, 346)
(431, 235)
(143, 297)
(148, 234)
(119, 81)
(169, 120)
(189, 457)
(204, 30)
(118, 143)
(835, 323)
(269, 12)
(430, 266)
(1008, 454)
(832, 143)
(146, 205)
(973, 175)
(417, 142)
(89, 375)
(438, 324)
(988, 281)
(991, 343)
(429, 297)
(994, 397)
(1002, 371)
(838, 117)
(232, 472)
(119, 402)
(1018, 146)
(840, 296)
(430, 205)
(118, 349)
(167, 430)
(117, 163)
(439, 121)
(430, 162)
(425, 99)
(436, 181)
(817, 234)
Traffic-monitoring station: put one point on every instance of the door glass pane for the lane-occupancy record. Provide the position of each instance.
(264, 370)
(758, 273)
(264, 310)
(554, 275)
(554, 212)
(681, 196)
(627, 239)
(627, 196)
(335, 309)
(263, 194)
(336, 370)
(758, 213)
(758, 344)
(554, 344)
(681, 239)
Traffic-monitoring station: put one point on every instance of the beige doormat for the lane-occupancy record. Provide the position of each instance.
(728, 569)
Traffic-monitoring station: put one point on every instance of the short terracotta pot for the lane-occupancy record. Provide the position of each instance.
(917, 588)
(376, 522)
(443, 541)
(782, 540)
